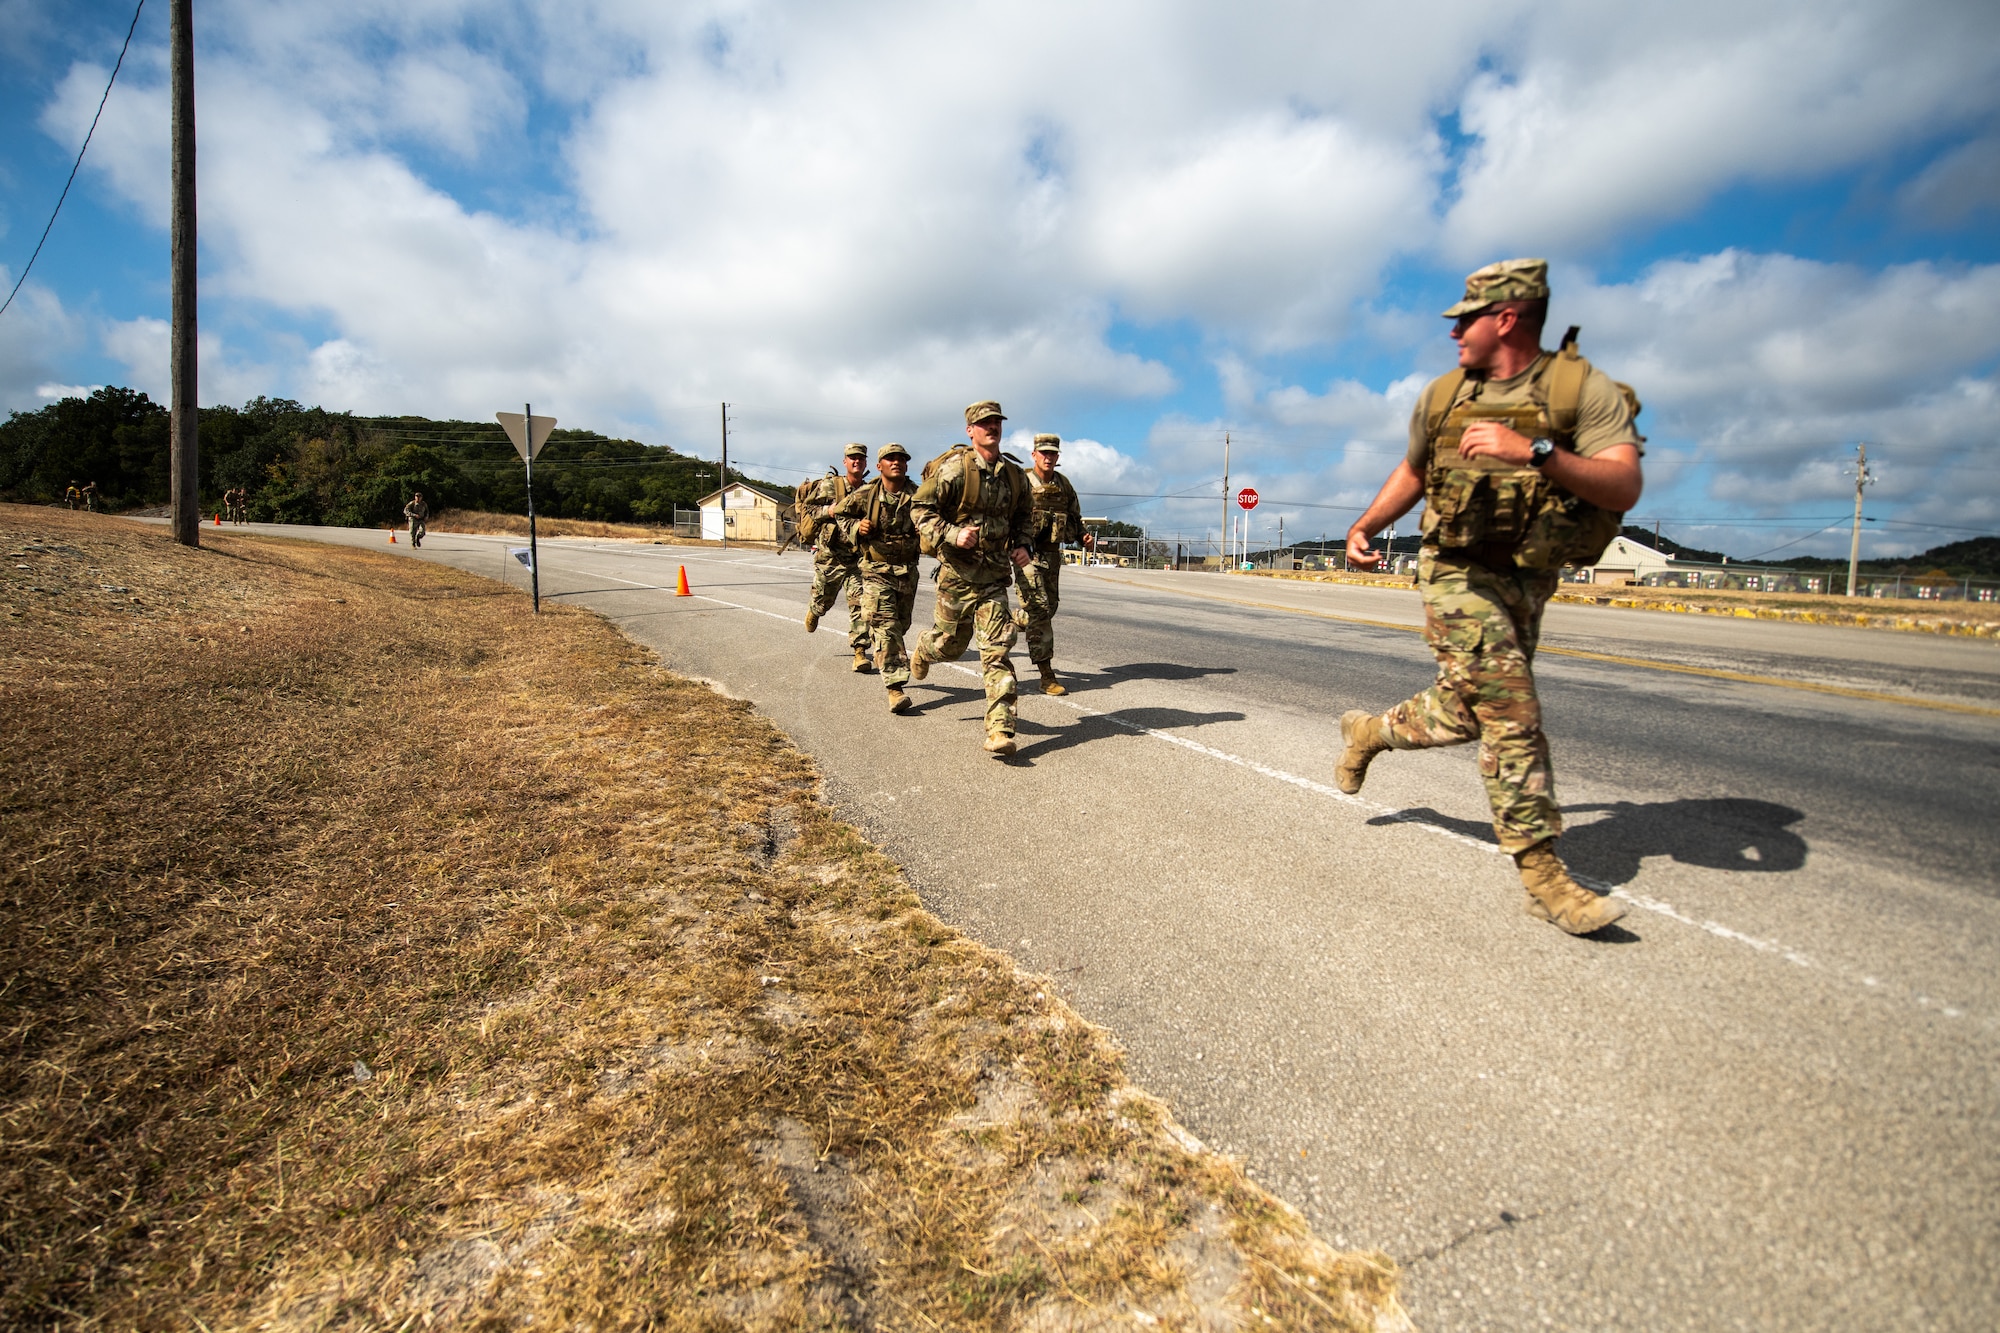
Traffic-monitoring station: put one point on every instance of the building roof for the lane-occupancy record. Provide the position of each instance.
(758, 491)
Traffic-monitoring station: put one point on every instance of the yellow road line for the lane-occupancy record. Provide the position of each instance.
(1645, 663)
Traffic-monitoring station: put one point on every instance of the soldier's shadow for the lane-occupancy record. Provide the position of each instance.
(1102, 726)
(1723, 833)
(1118, 675)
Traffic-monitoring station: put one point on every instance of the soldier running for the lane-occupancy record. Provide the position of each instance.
(419, 515)
(974, 511)
(882, 530)
(835, 561)
(1058, 518)
(1526, 460)
(73, 497)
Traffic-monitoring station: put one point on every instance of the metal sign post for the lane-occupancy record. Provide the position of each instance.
(1246, 499)
(529, 433)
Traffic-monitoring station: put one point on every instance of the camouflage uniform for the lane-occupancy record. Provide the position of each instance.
(888, 570)
(419, 515)
(1483, 613)
(836, 565)
(972, 584)
(1058, 518)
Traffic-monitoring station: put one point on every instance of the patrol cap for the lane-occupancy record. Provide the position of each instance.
(1508, 280)
(891, 450)
(979, 411)
(856, 450)
(1048, 444)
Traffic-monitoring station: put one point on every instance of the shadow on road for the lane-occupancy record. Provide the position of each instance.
(1725, 833)
(1099, 726)
(1118, 675)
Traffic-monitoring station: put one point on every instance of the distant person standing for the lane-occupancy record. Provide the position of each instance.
(1058, 518)
(73, 497)
(836, 564)
(1526, 460)
(419, 515)
(884, 536)
(974, 511)
(90, 496)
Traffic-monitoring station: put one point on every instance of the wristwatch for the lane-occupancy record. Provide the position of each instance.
(1539, 451)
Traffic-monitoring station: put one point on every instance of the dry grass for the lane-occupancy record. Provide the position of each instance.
(377, 955)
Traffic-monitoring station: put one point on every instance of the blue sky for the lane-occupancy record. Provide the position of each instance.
(1140, 225)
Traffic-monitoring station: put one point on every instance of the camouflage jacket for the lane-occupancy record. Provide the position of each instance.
(1058, 513)
(891, 544)
(1003, 512)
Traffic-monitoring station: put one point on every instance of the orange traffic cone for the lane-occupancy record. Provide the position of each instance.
(392, 536)
(218, 520)
(683, 590)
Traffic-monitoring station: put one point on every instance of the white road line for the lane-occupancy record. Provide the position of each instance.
(698, 596)
(1639, 900)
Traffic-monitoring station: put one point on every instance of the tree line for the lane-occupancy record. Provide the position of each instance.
(310, 465)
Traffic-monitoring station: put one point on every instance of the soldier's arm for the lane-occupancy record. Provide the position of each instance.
(937, 497)
(1076, 516)
(1021, 525)
(1398, 496)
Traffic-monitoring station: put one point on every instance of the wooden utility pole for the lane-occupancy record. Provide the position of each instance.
(1861, 479)
(722, 499)
(184, 429)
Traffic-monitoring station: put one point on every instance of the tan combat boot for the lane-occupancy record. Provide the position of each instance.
(899, 702)
(1363, 737)
(1000, 743)
(862, 661)
(1559, 900)
(920, 666)
(812, 621)
(1050, 685)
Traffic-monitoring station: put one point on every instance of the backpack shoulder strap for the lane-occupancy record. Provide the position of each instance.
(1562, 389)
(968, 489)
(1437, 400)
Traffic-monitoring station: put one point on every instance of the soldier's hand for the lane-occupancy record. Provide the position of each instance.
(967, 538)
(1089, 541)
(1021, 557)
(1359, 552)
(864, 527)
(1493, 439)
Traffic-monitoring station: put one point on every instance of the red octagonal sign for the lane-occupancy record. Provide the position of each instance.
(1246, 498)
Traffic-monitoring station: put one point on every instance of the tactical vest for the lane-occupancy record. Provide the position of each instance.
(883, 546)
(1051, 510)
(969, 492)
(1497, 509)
(814, 499)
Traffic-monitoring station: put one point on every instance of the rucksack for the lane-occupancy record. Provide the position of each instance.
(1480, 502)
(812, 500)
(969, 493)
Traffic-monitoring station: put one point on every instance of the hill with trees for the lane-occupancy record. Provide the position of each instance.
(309, 465)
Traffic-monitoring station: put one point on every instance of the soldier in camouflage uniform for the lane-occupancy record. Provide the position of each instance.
(836, 564)
(1058, 518)
(1483, 599)
(975, 510)
(877, 522)
(419, 515)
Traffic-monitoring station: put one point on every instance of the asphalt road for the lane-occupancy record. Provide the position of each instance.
(1769, 1102)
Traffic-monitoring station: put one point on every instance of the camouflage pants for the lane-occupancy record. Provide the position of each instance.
(1040, 585)
(887, 600)
(976, 613)
(417, 530)
(831, 570)
(1483, 625)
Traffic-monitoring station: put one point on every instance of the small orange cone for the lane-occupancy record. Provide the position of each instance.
(683, 590)
(392, 536)
(218, 520)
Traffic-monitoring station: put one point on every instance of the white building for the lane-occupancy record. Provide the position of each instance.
(753, 514)
(1625, 561)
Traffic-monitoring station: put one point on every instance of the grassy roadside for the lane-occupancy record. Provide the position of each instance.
(1978, 619)
(377, 955)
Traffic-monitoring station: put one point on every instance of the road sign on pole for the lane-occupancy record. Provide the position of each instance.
(529, 433)
(1246, 498)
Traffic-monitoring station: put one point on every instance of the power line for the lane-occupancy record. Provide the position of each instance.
(79, 159)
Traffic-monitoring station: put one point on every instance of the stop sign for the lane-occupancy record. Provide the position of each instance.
(1246, 498)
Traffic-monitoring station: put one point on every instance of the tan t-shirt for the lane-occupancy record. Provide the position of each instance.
(1602, 418)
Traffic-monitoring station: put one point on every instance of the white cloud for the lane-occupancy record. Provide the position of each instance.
(36, 336)
(51, 393)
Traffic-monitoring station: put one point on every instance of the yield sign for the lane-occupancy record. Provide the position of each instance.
(1245, 498)
(529, 434)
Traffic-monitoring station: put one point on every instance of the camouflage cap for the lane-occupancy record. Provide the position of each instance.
(1508, 280)
(1048, 444)
(891, 450)
(856, 450)
(979, 411)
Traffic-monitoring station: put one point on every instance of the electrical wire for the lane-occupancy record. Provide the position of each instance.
(79, 159)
